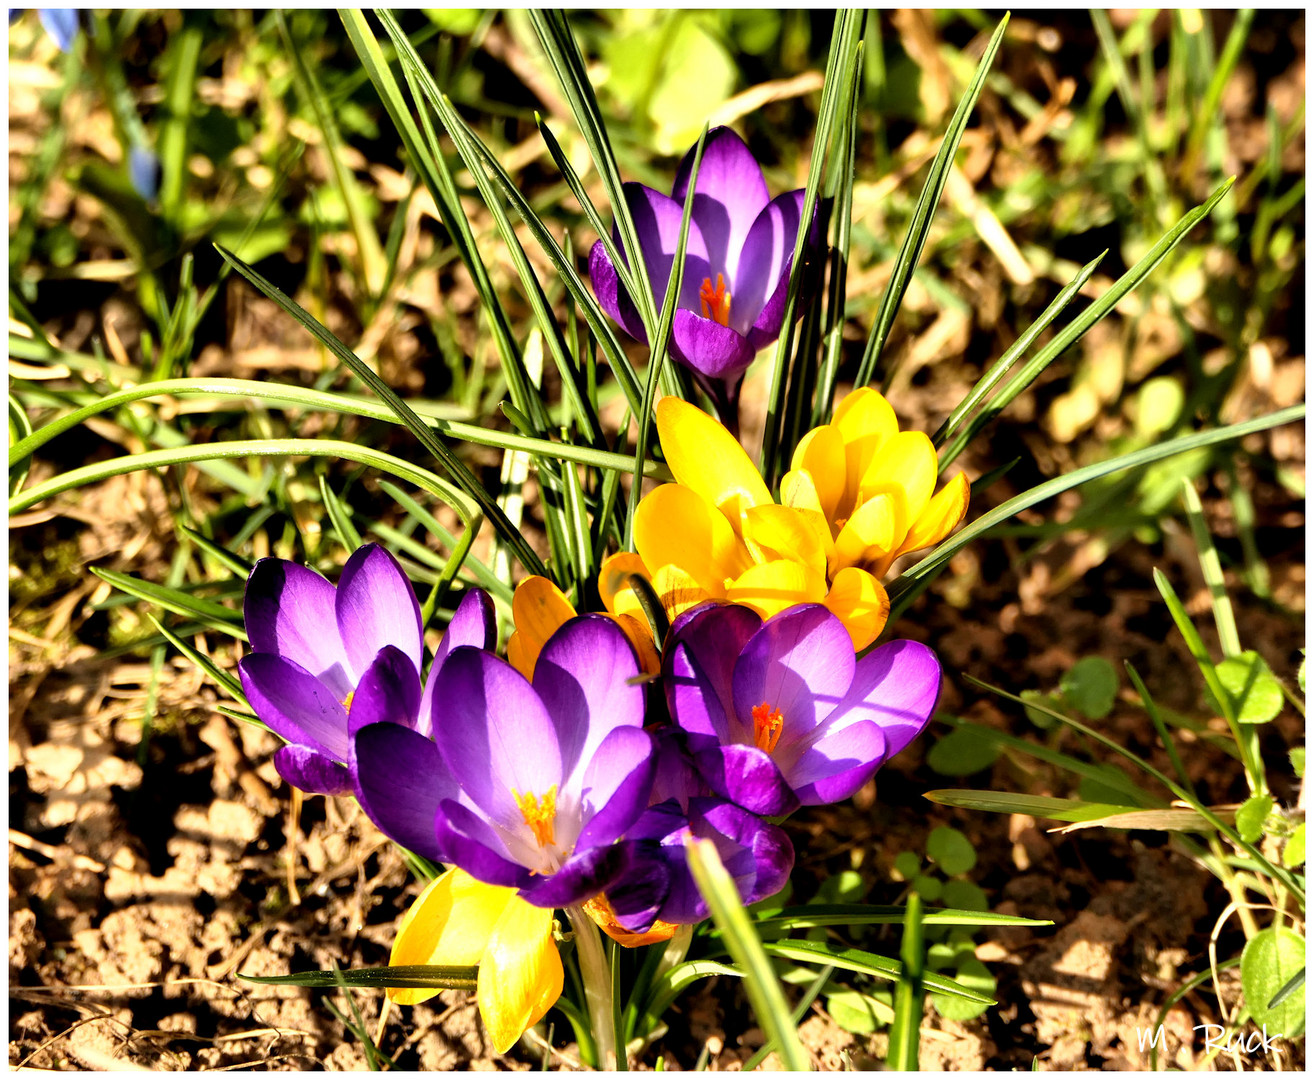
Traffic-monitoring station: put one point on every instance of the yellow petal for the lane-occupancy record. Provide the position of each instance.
(906, 467)
(599, 910)
(771, 587)
(675, 526)
(520, 976)
(870, 534)
(539, 609)
(821, 453)
(449, 925)
(781, 532)
(706, 458)
(865, 421)
(941, 516)
(799, 490)
(640, 638)
(860, 602)
(614, 583)
(677, 591)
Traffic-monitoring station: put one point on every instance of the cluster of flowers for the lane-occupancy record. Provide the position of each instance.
(571, 774)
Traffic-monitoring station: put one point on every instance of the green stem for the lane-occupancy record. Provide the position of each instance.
(596, 974)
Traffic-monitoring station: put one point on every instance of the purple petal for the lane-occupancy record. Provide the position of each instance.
(582, 677)
(640, 889)
(768, 254)
(467, 841)
(581, 877)
(657, 221)
(400, 783)
(698, 672)
(730, 195)
(474, 623)
(801, 663)
(376, 606)
(289, 611)
(611, 294)
(747, 776)
(61, 24)
(675, 776)
(311, 771)
(712, 350)
(388, 692)
(617, 783)
(837, 764)
(292, 703)
(896, 687)
(494, 735)
(766, 327)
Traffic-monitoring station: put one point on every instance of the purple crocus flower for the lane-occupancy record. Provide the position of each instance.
(737, 262)
(524, 785)
(61, 24)
(779, 713)
(328, 661)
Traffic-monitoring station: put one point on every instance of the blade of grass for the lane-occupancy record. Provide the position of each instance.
(413, 976)
(1224, 618)
(865, 963)
(339, 516)
(202, 610)
(909, 994)
(220, 677)
(920, 224)
(1156, 718)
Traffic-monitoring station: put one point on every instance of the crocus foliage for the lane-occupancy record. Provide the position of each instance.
(326, 661)
(738, 257)
(859, 494)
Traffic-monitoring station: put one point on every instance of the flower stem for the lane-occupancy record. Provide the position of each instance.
(596, 974)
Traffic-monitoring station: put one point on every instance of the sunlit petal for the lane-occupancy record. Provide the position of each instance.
(865, 421)
(706, 458)
(521, 976)
(874, 530)
(781, 532)
(821, 452)
(860, 602)
(941, 516)
(906, 467)
(678, 592)
(675, 525)
(771, 587)
(539, 609)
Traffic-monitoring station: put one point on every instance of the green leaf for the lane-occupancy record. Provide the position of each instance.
(951, 850)
(909, 993)
(907, 865)
(865, 963)
(1293, 854)
(697, 75)
(858, 1012)
(975, 975)
(202, 610)
(799, 918)
(927, 887)
(1255, 693)
(962, 752)
(416, 976)
(666, 988)
(1106, 787)
(1041, 806)
(1297, 756)
(1091, 687)
(1039, 716)
(965, 895)
(1251, 816)
(846, 887)
(1269, 961)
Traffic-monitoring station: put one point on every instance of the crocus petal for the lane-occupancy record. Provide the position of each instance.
(874, 531)
(838, 763)
(539, 609)
(583, 875)
(896, 687)
(400, 783)
(800, 663)
(474, 623)
(747, 776)
(61, 24)
(611, 294)
(520, 975)
(772, 855)
(941, 516)
(781, 532)
(449, 925)
(584, 680)
(657, 220)
(861, 603)
(766, 327)
(770, 588)
(678, 591)
(292, 703)
(639, 892)
(699, 667)
(730, 195)
(674, 525)
(376, 606)
(496, 736)
(906, 467)
(768, 254)
(616, 787)
(706, 458)
(639, 636)
(865, 421)
(388, 692)
(466, 839)
(289, 611)
(311, 771)
(821, 453)
(716, 351)
(614, 582)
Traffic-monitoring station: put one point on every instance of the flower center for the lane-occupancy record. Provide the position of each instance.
(540, 816)
(767, 726)
(716, 302)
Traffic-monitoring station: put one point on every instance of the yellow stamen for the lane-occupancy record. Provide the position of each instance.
(716, 302)
(539, 816)
(768, 723)
(346, 701)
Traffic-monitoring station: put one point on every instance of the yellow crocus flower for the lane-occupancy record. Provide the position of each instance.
(858, 495)
(460, 922)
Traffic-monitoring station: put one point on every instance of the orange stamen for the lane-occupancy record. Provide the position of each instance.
(716, 302)
(539, 816)
(346, 701)
(768, 723)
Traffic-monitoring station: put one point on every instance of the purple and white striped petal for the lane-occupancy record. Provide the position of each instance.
(834, 766)
(580, 878)
(896, 687)
(730, 195)
(712, 350)
(617, 784)
(698, 669)
(767, 255)
(471, 843)
(289, 612)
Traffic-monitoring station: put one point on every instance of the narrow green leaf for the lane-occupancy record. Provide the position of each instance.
(881, 967)
(220, 677)
(909, 993)
(181, 603)
(339, 515)
(414, 976)
(811, 915)
(1041, 806)
(666, 988)
(1224, 618)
